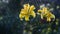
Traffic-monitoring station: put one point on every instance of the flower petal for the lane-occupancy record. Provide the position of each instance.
(40, 11)
(52, 16)
(32, 13)
(42, 16)
(23, 11)
(48, 19)
(32, 8)
(27, 17)
(21, 15)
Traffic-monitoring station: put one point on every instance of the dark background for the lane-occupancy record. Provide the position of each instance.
(10, 22)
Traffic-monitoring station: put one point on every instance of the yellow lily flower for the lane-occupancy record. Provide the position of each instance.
(43, 12)
(46, 13)
(27, 11)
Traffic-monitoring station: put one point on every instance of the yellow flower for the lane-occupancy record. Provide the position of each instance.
(43, 12)
(27, 11)
(46, 13)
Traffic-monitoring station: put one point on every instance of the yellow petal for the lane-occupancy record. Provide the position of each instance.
(42, 16)
(49, 19)
(40, 11)
(32, 8)
(21, 16)
(52, 16)
(48, 14)
(23, 11)
(32, 13)
(45, 9)
(26, 7)
(27, 17)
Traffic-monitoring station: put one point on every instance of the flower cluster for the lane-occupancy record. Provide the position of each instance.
(29, 10)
